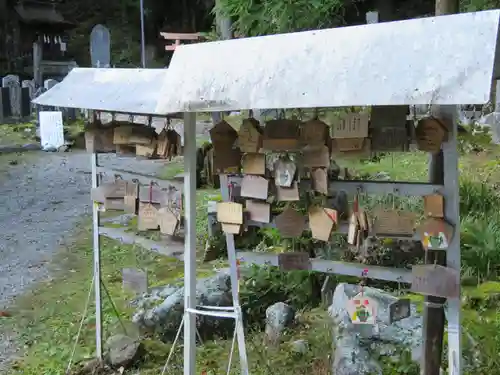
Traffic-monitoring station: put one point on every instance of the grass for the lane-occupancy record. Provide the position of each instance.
(17, 134)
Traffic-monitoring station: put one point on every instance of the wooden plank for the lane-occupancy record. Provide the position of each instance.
(181, 36)
(341, 268)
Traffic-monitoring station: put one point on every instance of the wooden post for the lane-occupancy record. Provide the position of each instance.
(434, 318)
(37, 63)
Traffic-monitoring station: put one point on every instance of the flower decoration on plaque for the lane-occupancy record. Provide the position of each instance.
(435, 234)
(290, 223)
(362, 309)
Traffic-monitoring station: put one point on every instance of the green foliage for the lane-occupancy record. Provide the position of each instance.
(252, 18)
(264, 286)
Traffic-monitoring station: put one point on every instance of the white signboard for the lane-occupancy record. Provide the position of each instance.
(51, 129)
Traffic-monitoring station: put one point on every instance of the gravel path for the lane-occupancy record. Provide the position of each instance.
(41, 202)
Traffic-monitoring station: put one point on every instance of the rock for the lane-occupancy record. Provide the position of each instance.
(359, 346)
(300, 346)
(165, 318)
(278, 317)
(122, 351)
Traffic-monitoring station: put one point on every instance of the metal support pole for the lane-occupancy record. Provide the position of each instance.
(97, 261)
(190, 243)
(143, 36)
(434, 318)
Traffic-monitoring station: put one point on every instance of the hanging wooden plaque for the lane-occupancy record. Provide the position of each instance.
(226, 160)
(281, 135)
(314, 133)
(162, 144)
(435, 280)
(259, 211)
(147, 218)
(399, 310)
(388, 116)
(390, 139)
(353, 230)
(290, 223)
(284, 194)
(430, 133)
(254, 187)
(122, 134)
(319, 177)
(347, 144)
(434, 205)
(223, 134)
(386, 222)
(322, 222)
(168, 221)
(147, 151)
(254, 163)
(296, 261)
(284, 172)
(351, 125)
(435, 234)
(230, 213)
(317, 157)
(99, 140)
(250, 136)
(231, 228)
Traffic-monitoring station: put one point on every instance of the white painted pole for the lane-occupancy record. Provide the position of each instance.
(190, 243)
(97, 261)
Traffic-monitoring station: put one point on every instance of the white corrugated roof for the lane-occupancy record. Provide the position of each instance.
(115, 90)
(438, 60)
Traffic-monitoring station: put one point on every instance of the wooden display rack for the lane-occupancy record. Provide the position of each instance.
(343, 67)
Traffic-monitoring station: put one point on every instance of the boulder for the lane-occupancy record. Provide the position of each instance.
(161, 311)
(122, 351)
(278, 317)
(358, 347)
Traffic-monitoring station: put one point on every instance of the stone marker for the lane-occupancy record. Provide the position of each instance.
(12, 83)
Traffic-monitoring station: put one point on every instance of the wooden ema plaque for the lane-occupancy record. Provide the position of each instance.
(314, 133)
(290, 223)
(259, 211)
(319, 178)
(147, 219)
(430, 134)
(284, 194)
(254, 187)
(168, 221)
(318, 157)
(223, 134)
(390, 139)
(435, 280)
(393, 222)
(435, 234)
(322, 222)
(254, 163)
(296, 261)
(226, 160)
(250, 136)
(434, 205)
(351, 125)
(230, 213)
(388, 116)
(281, 135)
